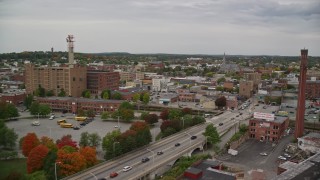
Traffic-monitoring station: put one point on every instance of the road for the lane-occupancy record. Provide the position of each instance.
(166, 145)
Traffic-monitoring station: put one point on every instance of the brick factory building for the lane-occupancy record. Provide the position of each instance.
(97, 81)
(72, 79)
(267, 127)
(74, 104)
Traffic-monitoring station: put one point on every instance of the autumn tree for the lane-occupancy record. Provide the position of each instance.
(36, 158)
(151, 118)
(186, 111)
(89, 154)
(70, 163)
(127, 141)
(164, 115)
(221, 102)
(48, 142)
(127, 114)
(30, 141)
(66, 140)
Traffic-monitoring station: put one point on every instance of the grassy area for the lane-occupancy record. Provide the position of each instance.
(15, 165)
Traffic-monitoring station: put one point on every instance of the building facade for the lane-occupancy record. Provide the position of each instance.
(72, 79)
(246, 89)
(72, 105)
(268, 130)
(313, 89)
(97, 81)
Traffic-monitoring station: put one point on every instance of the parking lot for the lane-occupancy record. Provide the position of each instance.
(249, 156)
(51, 129)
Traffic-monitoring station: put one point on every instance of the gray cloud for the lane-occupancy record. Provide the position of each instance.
(177, 26)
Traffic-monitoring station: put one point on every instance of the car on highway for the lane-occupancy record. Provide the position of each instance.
(113, 174)
(177, 144)
(159, 153)
(287, 155)
(145, 159)
(263, 154)
(193, 137)
(282, 158)
(126, 168)
(220, 124)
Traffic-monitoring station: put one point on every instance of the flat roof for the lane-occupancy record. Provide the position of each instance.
(82, 99)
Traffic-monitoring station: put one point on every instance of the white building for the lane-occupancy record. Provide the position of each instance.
(160, 84)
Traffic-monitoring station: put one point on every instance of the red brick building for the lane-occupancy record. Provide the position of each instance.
(187, 97)
(97, 81)
(74, 104)
(246, 88)
(313, 89)
(268, 130)
(14, 98)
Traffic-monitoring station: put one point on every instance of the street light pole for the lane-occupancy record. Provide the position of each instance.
(55, 169)
(152, 155)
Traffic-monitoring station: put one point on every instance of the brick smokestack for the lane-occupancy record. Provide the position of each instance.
(301, 107)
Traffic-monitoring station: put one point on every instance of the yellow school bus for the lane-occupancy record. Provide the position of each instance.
(66, 125)
(61, 121)
(80, 118)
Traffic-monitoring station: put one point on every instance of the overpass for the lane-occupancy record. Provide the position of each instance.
(141, 170)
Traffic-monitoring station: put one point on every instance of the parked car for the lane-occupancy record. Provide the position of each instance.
(282, 158)
(287, 155)
(193, 137)
(76, 127)
(126, 168)
(159, 153)
(177, 144)
(113, 174)
(145, 159)
(35, 123)
(220, 124)
(263, 154)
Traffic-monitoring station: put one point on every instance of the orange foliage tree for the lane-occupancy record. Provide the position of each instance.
(36, 158)
(70, 163)
(30, 141)
(66, 141)
(89, 154)
(48, 142)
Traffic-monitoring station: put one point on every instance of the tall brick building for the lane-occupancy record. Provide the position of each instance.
(72, 79)
(97, 81)
(246, 88)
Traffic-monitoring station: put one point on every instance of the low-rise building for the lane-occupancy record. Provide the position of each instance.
(310, 142)
(14, 98)
(268, 127)
(168, 98)
(187, 97)
(72, 105)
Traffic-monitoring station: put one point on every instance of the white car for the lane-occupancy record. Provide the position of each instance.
(127, 168)
(35, 123)
(263, 154)
(287, 155)
(282, 158)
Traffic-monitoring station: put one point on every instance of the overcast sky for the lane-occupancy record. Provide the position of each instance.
(237, 27)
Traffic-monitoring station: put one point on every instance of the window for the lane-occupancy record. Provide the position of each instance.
(74, 79)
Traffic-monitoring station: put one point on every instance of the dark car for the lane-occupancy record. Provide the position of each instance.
(82, 124)
(159, 153)
(240, 114)
(76, 127)
(220, 124)
(113, 174)
(177, 144)
(102, 179)
(145, 159)
(193, 137)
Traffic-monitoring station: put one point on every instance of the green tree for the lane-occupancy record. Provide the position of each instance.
(168, 131)
(136, 97)
(127, 114)
(48, 165)
(62, 93)
(220, 80)
(187, 121)
(94, 140)
(40, 91)
(117, 96)
(126, 105)
(105, 94)
(84, 139)
(81, 112)
(28, 101)
(50, 93)
(105, 115)
(198, 120)
(146, 98)
(8, 136)
(90, 113)
(34, 108)
(12, 111)
(212, 133)
(174, 114)
(87, 94)
(107, 143)
(44, 109)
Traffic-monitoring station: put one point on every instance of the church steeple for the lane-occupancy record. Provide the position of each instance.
(224, 58)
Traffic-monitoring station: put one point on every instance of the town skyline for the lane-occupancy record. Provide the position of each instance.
(178, 27)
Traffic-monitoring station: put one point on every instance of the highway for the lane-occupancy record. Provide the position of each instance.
(166, 145)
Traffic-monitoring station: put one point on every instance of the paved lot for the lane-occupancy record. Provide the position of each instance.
(249, 156)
